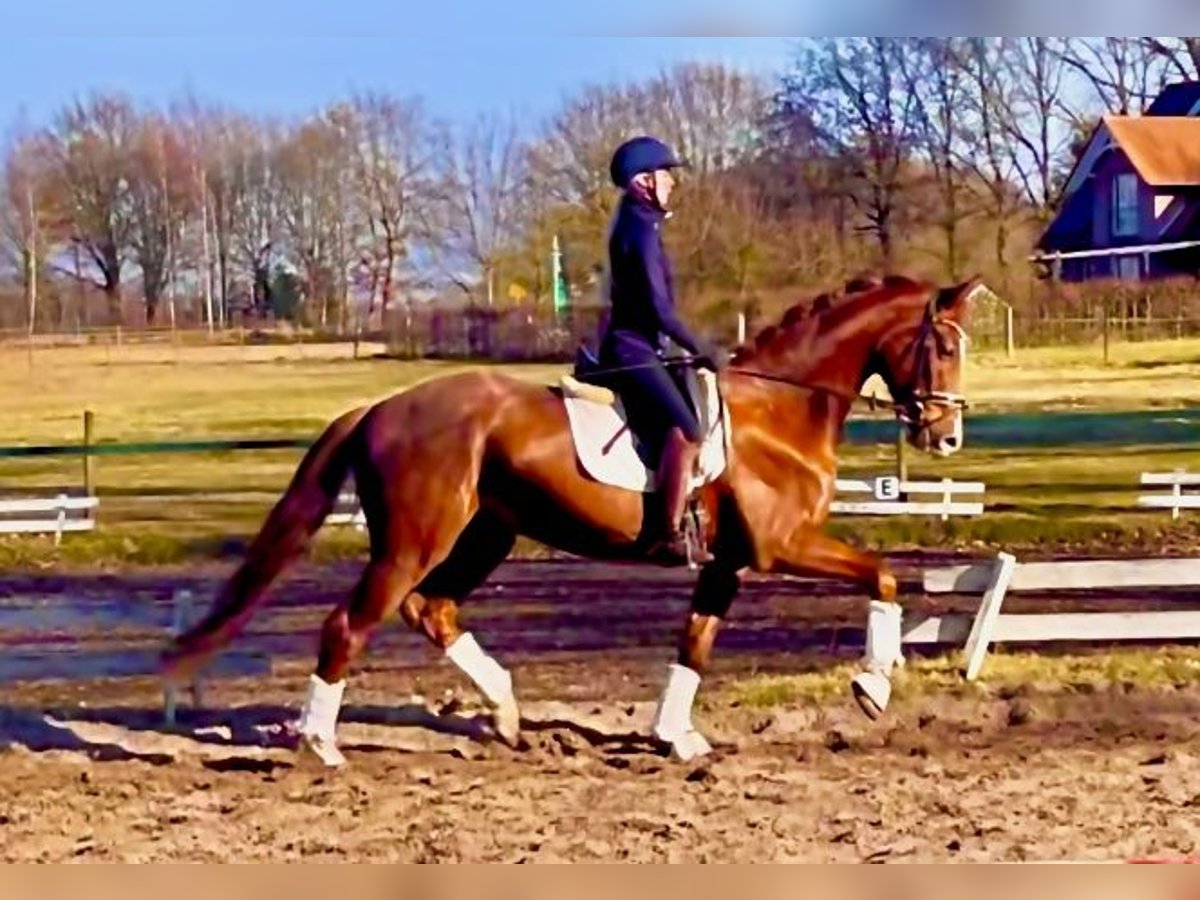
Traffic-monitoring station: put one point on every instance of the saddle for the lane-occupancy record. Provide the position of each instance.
(607, 447)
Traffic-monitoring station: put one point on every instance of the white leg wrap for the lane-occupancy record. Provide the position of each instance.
(318, 720)
(883, 637)
(492, 679)
(321, 708)
(673, 719)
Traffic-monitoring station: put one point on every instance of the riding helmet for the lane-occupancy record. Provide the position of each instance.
(641, 154)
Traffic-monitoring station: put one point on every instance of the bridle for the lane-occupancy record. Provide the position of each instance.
(908, 402)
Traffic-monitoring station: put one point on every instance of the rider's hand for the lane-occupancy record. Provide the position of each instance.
(712, 357)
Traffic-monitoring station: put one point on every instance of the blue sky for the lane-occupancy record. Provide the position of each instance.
(461, 55)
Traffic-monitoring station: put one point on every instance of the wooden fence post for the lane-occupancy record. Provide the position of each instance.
(89, 462)
(1104, 327)
(901, 457)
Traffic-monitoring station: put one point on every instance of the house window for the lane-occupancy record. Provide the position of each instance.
(1125, 204)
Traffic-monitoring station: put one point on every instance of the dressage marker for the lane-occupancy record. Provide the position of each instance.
(890, 497)
(995, 580)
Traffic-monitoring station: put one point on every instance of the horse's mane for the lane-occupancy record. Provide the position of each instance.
(806, 311)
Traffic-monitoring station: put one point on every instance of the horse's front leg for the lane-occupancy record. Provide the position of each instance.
(810, 552)
(715, 590)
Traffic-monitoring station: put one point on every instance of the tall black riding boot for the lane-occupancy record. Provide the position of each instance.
(678, 460)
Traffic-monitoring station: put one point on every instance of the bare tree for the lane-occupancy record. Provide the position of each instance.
(24, 232)
(935, 76)
(855, 94)
(711, 114)
(482, 188)
(1034, 116)
(162, 201)
(985, 148)
(88, 151)
(1122, 72)
(314, 193)
(394, 154)
(1180, 56)
(248, 203)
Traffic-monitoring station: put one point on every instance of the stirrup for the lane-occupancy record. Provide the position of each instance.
(694, 527)
(683, 546)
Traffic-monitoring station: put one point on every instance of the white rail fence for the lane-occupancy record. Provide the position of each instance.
(347, 512)
(889, 496)
(995, 580)
(1175, 499)
(48, 515)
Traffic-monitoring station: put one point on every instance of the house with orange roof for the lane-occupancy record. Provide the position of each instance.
(1131, 205)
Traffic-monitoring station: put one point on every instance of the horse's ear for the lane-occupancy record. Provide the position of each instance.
(956, 300)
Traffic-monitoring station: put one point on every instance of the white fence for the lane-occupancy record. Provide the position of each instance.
(889, 497)
(1005, 575)
(32, 515)
(1175, 499)
(347, 512)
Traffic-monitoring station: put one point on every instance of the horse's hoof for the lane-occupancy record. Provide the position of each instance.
(872, 690)
(324, 749)
(690, 745)
(506, 719)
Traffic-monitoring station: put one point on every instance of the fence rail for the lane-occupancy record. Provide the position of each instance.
(533, 334)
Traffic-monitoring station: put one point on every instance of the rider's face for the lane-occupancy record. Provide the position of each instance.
(664, 183)
(659, 184)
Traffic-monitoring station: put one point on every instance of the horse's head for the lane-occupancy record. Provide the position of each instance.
(921, 360)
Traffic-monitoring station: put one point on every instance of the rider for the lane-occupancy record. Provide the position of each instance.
(642, 314)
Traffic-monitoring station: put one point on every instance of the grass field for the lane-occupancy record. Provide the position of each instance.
(154, 507)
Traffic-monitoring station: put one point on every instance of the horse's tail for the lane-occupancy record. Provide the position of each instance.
(284, 535)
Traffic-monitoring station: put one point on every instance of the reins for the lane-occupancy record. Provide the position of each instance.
(907, 403)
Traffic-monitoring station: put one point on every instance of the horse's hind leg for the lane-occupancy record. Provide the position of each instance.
(401, 555)
(432, 609)
(379, 591)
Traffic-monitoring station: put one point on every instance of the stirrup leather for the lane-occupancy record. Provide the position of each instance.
(694, 526)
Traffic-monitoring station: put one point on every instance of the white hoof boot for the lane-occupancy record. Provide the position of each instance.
(494, 682)
(690, 745)
(673, 718)
(318, 720)
(506, 719)
(872, 690)
(324, 749)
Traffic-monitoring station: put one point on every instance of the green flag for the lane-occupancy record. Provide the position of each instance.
(559, 278)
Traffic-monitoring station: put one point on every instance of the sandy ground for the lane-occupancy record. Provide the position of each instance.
(91, 772)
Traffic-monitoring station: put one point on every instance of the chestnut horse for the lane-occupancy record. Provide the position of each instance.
(451, 470)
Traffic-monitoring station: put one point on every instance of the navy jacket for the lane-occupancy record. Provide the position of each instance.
(641, 290)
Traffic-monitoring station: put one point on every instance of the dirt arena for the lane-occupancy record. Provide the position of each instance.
(90, 771)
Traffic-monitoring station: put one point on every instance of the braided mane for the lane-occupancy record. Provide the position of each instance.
(803, 312)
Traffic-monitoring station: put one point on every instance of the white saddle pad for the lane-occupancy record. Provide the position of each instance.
(605, 445)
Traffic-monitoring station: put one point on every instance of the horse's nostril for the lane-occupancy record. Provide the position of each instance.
(949, 444)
